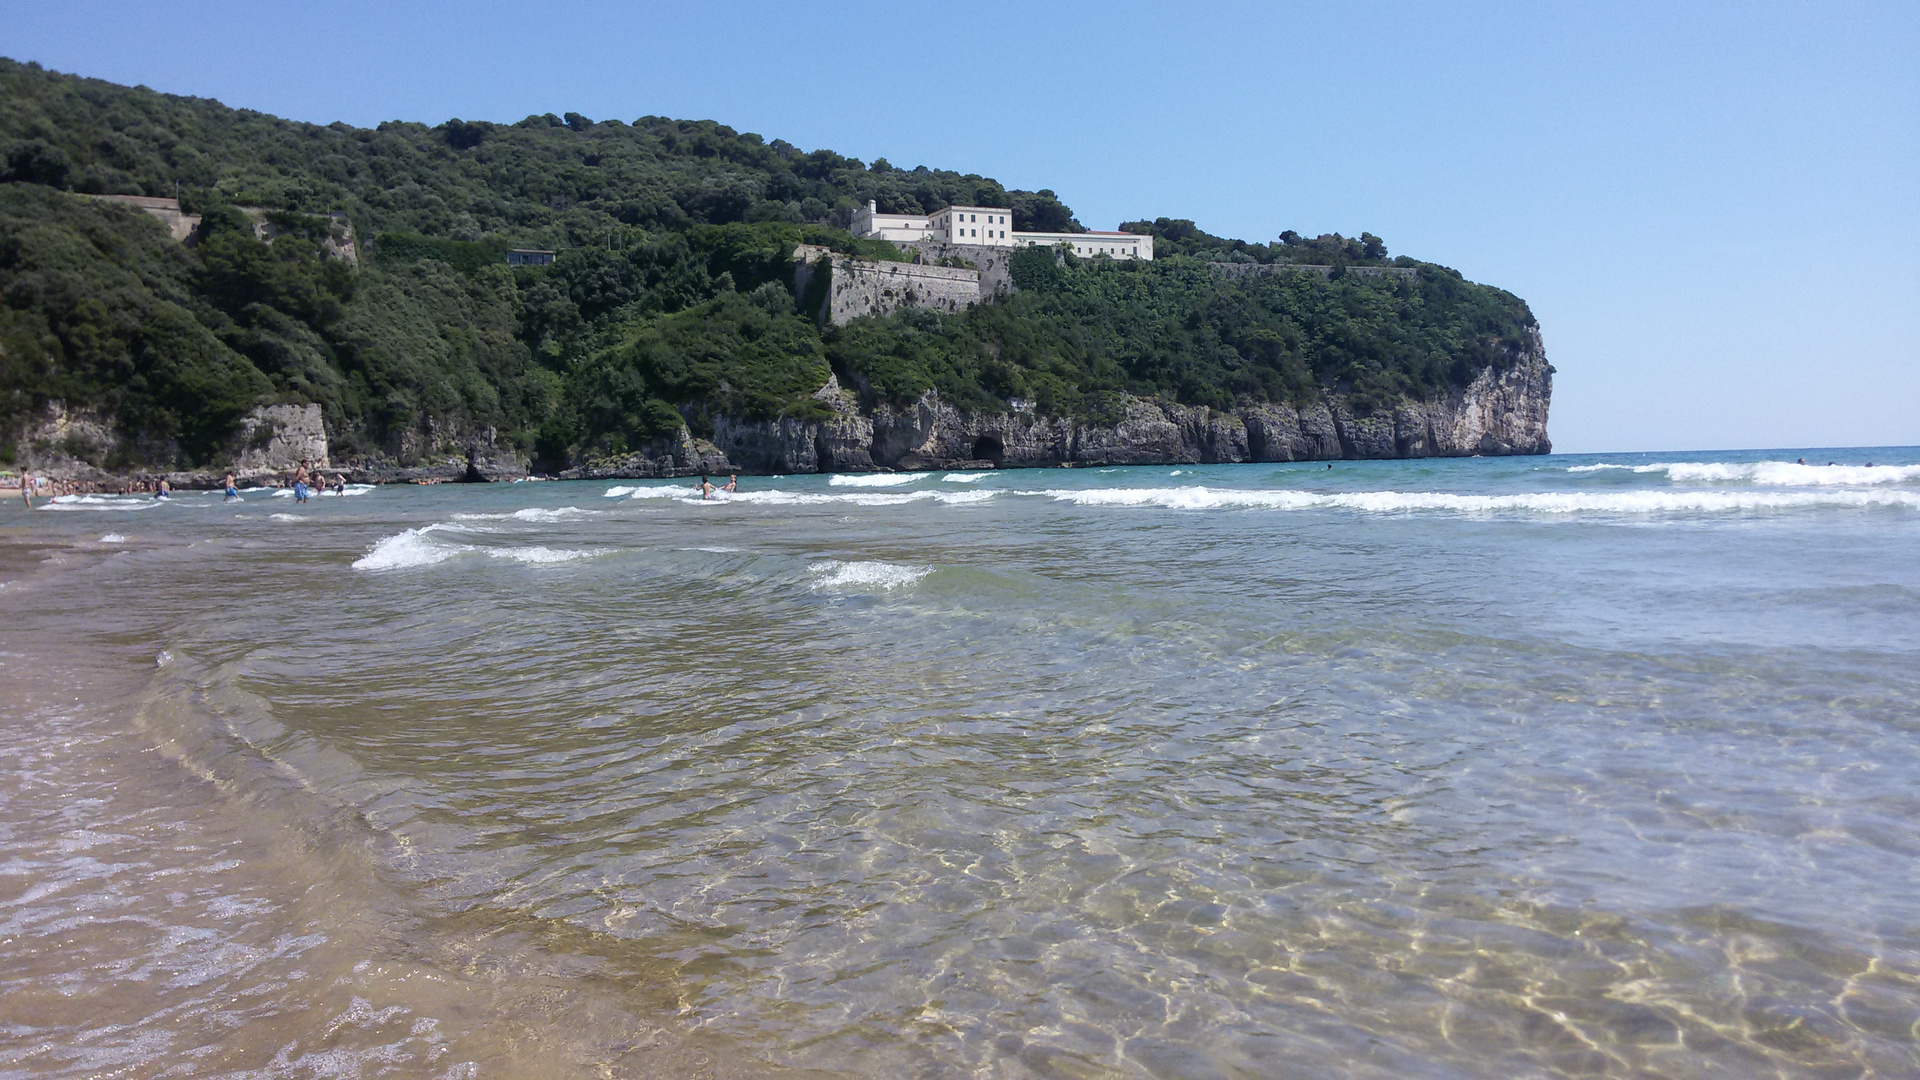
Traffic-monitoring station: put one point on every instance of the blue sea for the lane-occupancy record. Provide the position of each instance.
(1553, 766)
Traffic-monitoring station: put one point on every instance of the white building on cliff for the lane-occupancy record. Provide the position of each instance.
(990, 226)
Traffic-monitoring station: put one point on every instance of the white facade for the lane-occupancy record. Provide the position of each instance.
(991, 226)
(871, 224)
(1086, 245)
(987, 225)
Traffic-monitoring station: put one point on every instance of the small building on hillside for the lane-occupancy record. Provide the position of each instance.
(989, 226)
(529, 257)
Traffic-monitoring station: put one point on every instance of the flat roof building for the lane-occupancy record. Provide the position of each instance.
(990, 226)
(1086, 245)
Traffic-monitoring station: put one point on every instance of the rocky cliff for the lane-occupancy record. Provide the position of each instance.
(1503, 411)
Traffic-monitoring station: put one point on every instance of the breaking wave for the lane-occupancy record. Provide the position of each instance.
(864, 576)
(102, 502)
(419, 547)
(872, 498)
(1768, 473)
(875, 479)
(533, 513)
(964, 477)
(1623, 502)
(653, 491)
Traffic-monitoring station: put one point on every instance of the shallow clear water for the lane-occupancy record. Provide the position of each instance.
(1547, 766)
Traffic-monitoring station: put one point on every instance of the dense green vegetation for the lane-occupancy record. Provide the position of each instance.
(1078, 331)
(671, 300)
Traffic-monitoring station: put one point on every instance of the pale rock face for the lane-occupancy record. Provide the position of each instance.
(843, 443)
(61, 442)
(1501, 412)
(276, 438)
(488, 460)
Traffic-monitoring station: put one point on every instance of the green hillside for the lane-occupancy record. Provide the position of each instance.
(670, 301)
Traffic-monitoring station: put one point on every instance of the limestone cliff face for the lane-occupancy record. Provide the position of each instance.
(1503, 411)
(84, 444)
(278, 437)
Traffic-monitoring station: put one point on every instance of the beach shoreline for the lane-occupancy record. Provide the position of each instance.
(251, 921)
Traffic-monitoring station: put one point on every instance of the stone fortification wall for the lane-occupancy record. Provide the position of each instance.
(863, 287)
(179, 225)
(993, 263)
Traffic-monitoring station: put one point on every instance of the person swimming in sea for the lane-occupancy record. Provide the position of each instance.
(733, 484)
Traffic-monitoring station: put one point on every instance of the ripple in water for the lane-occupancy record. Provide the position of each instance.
(1401, 768)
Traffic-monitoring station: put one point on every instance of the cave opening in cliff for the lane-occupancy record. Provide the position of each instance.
(988, 448)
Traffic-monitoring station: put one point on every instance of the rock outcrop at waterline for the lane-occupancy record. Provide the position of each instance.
(1503, 411)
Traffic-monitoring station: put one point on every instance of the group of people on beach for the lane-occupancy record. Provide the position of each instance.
(707, 489)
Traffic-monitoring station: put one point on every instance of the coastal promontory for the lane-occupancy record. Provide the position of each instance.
(187, 288)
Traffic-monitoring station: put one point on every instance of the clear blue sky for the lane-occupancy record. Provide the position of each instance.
(1714, 209)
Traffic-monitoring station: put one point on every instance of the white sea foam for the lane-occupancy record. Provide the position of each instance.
(1769, 473)
(865, 576)
(964, 477)
(867, 480)
(407, 549)
(660, 491)
(113, 538)
(563, 513)
(536, 555)
(616, 492)
(102, 502)
(424, 547)
(285, 517)
(1790, 474)
(532, 513)
(1621, 502)
(351, 489)
(864, 498)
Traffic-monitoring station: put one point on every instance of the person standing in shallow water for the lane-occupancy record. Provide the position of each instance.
(733, 484)
(706, 487)
(232, 493)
